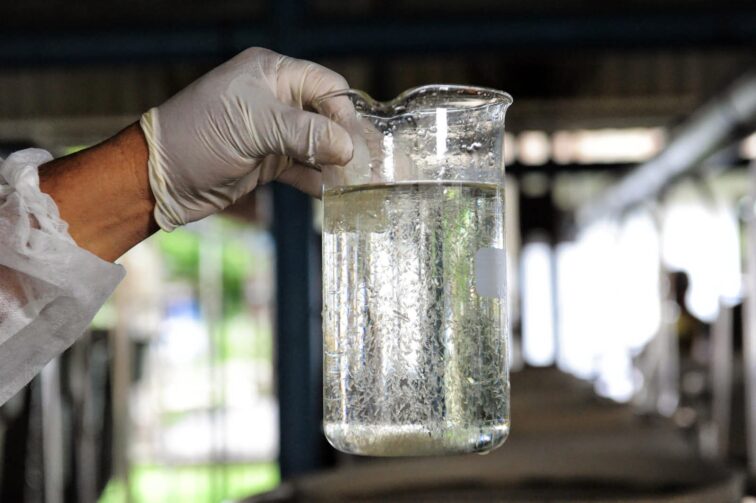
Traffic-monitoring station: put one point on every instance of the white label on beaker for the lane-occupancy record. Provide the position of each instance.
(491, 272)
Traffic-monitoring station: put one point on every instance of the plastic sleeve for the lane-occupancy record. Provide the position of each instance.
(50, 289)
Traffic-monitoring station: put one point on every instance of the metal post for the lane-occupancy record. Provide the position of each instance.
(701, 135)
(298, 326)
(211, 301)
(52, 433)
(121, 383)
(668, 397)
(85, 426)
(721, 377)
(299, 339)
(749, 326)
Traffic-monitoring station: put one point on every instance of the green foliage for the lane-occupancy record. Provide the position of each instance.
(240, 335)
(181, 249)
(181, 252)
(196, 483)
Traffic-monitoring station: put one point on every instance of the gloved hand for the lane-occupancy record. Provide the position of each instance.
(239, 126)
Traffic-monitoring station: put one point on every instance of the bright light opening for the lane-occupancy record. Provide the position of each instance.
(607, 145)
(748, 147)
(703, 241)
(537, 305)
(533, 148)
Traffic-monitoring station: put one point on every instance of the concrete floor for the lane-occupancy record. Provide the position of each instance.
(565, 445)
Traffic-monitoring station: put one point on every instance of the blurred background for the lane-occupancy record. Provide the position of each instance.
(631, 193)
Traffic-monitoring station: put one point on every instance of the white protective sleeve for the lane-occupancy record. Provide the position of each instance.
(50, 289)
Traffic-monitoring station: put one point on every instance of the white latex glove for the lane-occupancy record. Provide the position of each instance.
(239, 126)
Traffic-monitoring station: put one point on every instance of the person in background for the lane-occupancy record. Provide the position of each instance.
(64, 221)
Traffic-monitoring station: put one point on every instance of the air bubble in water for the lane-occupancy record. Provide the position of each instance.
(472, 147)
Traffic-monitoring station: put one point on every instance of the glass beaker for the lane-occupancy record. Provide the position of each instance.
(414, 274)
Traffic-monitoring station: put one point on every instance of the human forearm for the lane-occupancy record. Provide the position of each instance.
(103, 193)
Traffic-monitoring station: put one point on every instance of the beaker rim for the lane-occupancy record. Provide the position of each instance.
(488, 97)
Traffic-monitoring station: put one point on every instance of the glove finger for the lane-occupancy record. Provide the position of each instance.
(304, 178)
(283, 169)
(310, 138)
(301, 82)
